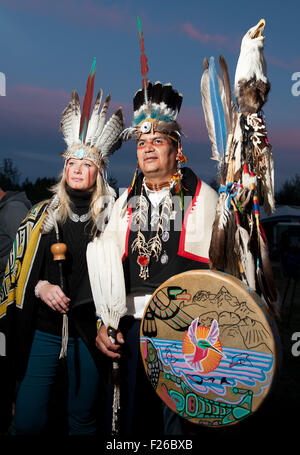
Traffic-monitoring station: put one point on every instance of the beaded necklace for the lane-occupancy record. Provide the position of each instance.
(154, 245)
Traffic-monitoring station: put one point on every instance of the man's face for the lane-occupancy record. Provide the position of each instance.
(156, 155)
(81, 174)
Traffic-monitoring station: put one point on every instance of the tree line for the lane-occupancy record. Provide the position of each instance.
(35, 191)
(289, 193)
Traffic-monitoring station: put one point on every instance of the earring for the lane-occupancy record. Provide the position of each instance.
(181, 158)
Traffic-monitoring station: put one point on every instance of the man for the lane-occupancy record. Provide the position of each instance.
(162, 227)
(14, 206)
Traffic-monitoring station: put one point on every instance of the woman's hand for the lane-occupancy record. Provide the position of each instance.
(54, 297)
(105, 345)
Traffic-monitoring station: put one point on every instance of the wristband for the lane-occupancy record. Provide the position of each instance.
(38, 287)
(99, 323)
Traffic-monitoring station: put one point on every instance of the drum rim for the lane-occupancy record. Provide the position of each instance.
(263, 309)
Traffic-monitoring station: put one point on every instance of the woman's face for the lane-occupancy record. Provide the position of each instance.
(81, 174)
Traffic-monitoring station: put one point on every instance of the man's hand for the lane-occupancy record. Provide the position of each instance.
(105, 345)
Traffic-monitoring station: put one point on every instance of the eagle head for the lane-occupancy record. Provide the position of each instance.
(251, 85)
(254, 36)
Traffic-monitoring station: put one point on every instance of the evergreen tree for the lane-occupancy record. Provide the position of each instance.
(289, 194)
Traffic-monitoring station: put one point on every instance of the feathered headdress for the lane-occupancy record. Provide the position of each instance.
(90, 137)
(155, 106)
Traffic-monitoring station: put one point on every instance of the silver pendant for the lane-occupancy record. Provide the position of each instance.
(82, 218)
(165, 236)
(164, 258)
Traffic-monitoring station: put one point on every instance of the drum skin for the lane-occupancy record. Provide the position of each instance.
(209, 346)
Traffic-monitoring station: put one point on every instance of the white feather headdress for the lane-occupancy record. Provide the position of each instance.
(88, 138)
(91, 138)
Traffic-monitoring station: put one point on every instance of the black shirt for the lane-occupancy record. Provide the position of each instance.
(76, 285)
(158, 271)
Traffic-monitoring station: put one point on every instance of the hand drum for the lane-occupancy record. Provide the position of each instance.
(209, 347)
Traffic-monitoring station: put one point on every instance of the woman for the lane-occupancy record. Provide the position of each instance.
(47, 307)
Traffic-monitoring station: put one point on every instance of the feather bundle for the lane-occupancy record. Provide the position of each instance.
(217, 107)
(107, 281)
(245, 164)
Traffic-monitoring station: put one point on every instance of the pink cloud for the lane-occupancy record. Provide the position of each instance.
(204, 38)
(233, 44)
(38, 110)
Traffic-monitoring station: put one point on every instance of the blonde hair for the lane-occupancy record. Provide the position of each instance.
(97, 205)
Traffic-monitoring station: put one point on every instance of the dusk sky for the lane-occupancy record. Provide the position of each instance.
(47, 47)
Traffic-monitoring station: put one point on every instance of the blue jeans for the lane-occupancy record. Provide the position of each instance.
(31, 410)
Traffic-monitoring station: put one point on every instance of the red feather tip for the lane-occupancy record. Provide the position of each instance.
(144, 60)
(87, 102)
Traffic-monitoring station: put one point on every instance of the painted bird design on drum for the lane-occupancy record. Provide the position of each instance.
(202, 345)
(154, 365)
(165, 306)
